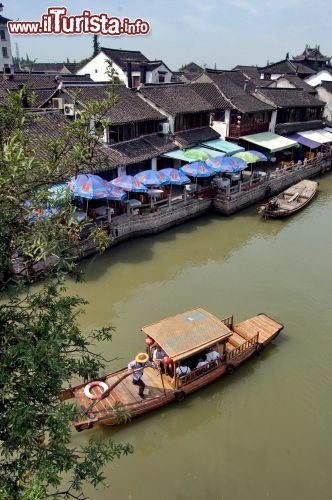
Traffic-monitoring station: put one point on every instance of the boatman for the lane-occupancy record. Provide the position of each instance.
(137, 366)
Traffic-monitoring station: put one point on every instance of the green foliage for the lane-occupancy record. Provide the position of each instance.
(29, 163)
(41, 346)
(42, 349)
(96, 46)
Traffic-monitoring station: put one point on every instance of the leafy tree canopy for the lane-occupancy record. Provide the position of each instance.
(41, 346)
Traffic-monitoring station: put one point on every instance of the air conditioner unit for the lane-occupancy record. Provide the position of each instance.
(69, 109)
(78, 114)
(163, 128)
(58, 103)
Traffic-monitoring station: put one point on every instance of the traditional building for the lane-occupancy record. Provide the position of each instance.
(38, 88)
(6, 59)
(291, 82)
(130, 67)
(188, 113)
(243, 114)
(313, 58)
(285, 67)
(132, 142)
(297, 110)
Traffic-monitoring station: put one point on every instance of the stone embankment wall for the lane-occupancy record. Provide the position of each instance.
(230, 200)
(226, 201)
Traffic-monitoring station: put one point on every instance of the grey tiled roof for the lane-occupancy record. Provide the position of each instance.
(211, 94)
(187, 77)
(130, 107)
(42, 128)
(120, 57)
(136, 150)
(176, 99)
(192, 137)
(249, 71)
(41, 81)
(191, 68)
(286, 128)
(287, 67)
(37, 98)
(32, 81)
(298, 83)
(291, 98)
(240, 99)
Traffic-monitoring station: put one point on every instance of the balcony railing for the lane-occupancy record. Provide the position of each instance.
(236, 131)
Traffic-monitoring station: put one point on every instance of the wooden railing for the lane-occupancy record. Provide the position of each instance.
(238, 351)
(228, 321)
(199, 372)
(235, 131)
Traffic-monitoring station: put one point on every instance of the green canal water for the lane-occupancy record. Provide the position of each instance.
(264, 432)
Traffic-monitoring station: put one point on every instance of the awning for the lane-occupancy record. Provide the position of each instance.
(270, 141)
(227, 147)
(321, 136)
(179, 154)
(303, 140)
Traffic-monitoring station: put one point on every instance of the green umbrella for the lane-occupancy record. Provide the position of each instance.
(247, 157)
(196, 154)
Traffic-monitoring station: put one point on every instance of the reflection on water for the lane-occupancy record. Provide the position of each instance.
(265, 431)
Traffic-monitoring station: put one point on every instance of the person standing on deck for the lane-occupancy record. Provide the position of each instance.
(137, 366)
(158, 356)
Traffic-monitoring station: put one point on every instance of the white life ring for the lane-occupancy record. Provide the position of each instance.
(95, 383)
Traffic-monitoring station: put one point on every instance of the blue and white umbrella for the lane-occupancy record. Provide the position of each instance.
(175, 177)
(198, 169)
(227, 164)
(151, 178)
(128, 183)
(89, 186)
(116, 193)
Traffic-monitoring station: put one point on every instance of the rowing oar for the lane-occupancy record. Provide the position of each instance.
(162, 380)
(110, 389)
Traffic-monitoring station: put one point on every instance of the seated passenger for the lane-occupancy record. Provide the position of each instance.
(212, 356)
(182, 370)
(202, 364)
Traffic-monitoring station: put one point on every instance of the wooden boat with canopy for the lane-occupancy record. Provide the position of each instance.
(185, 338)
(289, 201)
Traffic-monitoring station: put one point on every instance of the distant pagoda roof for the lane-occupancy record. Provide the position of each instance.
(311, 54)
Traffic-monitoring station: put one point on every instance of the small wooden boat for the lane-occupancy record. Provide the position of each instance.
(185, 338)
(289, 201)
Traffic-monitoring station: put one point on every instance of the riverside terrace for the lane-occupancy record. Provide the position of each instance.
(185, 204)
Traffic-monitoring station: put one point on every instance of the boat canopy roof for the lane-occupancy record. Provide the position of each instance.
(187, 333)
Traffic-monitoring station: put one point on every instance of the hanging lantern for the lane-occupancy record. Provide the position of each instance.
(149, 341)
(167, 360)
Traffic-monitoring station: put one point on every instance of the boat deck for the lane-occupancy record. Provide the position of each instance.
(125, 392)
(262, 324)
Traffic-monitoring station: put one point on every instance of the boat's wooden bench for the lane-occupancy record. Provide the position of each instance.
(236, 340)
(293, 198)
